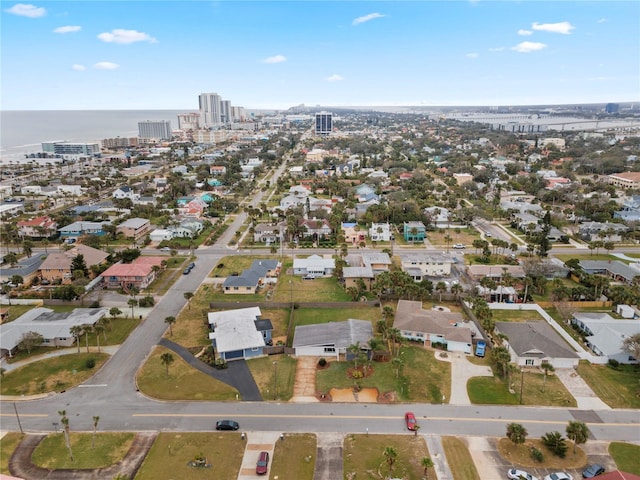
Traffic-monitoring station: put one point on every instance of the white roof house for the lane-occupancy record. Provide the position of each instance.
(234, 333)
(315, 266)
(605, 334)
(53, 326)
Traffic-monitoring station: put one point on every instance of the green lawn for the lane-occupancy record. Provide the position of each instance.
(619, 388)
(421, 379)
(295, 457)
(311, 316)
(363, 457)
(459, 459)
(52, 374)
(626, 456)
(264, 373)
(183, 382)
(515, 315)
(8, 444)
(116, 332)
(109, 448)
(291, 287)
(170, 454)
(235, 264)
(16, 311)
(494, 391)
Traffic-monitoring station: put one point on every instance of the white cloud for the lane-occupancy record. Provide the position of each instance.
(602, 20)
(524, 32)
(560, 27)
(26, 10)
(77, 67)
(472, 55)
(526, 47)
(367, 18)
(497, 49)
(334, 78)
(106, 66)
(67, 29)
(275, 59)
(122, 36)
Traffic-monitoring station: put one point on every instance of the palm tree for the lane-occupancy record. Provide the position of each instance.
(426, 463)
(388, 314)
(547, 367)
(391, 455)
(87, 330)
(188, 296)
(354, 348)
(98, 328)
(96, 419)
(516, 433)
(170, 321)
(77, 331)
(132, 302)
(397, 363)
(166, 359)
(578, 432)
(456, 289)
(441, 287)
(65, 428)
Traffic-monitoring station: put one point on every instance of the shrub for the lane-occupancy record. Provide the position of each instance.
(146, 302)
(537, 455)
(322, 362)
(554, 442)
(220, 364)
(613, 363)
(90, 363)
(95, 304)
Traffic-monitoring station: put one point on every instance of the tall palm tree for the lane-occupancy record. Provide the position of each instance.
(64, 420)
(77, 331)
(87, 329)
(516, 433)
(578, 432)
(98, 328)
(170, 321)
(166, 359)
(547, 367)
(188, 296)
(96, 419)
(426, 463)
(391, 454)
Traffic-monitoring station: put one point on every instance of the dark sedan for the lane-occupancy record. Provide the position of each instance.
(227, 425)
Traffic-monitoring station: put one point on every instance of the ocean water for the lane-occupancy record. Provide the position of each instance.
(24, 131)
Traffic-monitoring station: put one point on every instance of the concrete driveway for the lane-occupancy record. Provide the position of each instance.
(461, 371)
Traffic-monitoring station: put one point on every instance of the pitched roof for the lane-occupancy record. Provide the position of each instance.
(127, 270)
(339, 334)
(236, 329)
(62, 260)
(410, 316)
(535, 339)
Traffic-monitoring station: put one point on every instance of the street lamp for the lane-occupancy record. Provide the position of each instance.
(275, 380)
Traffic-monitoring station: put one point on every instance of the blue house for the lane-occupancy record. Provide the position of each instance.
(239, 334)
(414, 231)
(78, 229)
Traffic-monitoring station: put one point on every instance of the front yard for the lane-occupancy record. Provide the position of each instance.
(618, 388)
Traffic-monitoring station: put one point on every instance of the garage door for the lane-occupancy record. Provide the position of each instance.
(234, 355)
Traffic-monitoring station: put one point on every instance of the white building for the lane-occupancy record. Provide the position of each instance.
(159, 130)
(314, 266)
(380, 232)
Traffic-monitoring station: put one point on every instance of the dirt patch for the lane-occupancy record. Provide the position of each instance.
(348, 395)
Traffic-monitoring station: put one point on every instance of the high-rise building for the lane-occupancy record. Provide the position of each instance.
(209, 109)
(188, 121)
(612, 108)
(324, 123)
(71, 148)
(225, 112)
(160, 130)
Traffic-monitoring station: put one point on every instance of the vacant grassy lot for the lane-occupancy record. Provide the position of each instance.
(295, 457)
(516, 315)
(264, 373)
(626, 456)
(422, 378)
(520, 455)
(363, 457)
(8, 444)
(465, 236)
(494, 391)
(619, 388)
(116, 332)
(235, 264)
(183, 382)
(52, 453)
(294, 288)
(191, 328)
(589, 256)
(171, 452)
(459, 459)
(311, 316)
(52, 374)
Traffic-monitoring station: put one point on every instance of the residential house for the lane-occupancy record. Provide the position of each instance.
(414, 231)
(617, 270)
(605, 334)
(423, 265)
(521, 206)
(217, 170)
(362, 269)
(462, 178)
(501, 293)
(78, 229)
(55, 327)
(365, 193)
(432, 327)
(630, 211)
(239, 334)
(380, 232)
(332, 339)
(265, 233)
(440, 216)
(160, 235)
(315, 229)
(38, 227)
(532, 342)
(528, 223)
(188, 228)
(353, 233)
(314, 266)
(135, 228)
(496, 272)
(57, 266)
(625, 180)
(139, 274)
(125, 191)
(192, 207)
(605, 231)
(260, 273)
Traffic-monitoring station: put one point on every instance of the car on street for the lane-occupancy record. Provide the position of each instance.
(191, 266)
(516, 474)
(263, 463)
(410, 420)
(458, 246)
(558, 476)
(227, 425)
(593, 471)
(165, 249)
(186, 271)
(488, 234)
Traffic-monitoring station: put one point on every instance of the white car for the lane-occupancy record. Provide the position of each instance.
(459, 246)
(558, 476)
(520, 475)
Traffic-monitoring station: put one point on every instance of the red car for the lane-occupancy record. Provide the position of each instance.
(410, 420)
(263, 463)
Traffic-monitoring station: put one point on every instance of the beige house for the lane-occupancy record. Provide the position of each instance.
(135, 228)
(57, 265)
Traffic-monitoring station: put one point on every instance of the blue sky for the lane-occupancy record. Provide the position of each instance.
(276, 54)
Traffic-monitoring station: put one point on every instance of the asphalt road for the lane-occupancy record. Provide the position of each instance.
(112, 395)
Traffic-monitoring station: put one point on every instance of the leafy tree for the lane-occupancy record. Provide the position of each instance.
(30, 340)
(27, 248)
(170, 321)
(129, 255)
(556, 443)
(78, 263)
(426, 463)
(167, 359)
(516, 433)
(578, 432)
(631, 345)
(114, 312)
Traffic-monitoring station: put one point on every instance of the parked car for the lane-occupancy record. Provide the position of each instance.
(520, 475)
(186, 271)
(191, 265)
(558, 476)
(227, 425)
(480, 348)
(593, 471)
(263, 463)
(487, 234)
(410, 420)
(458, 246)
(165, 249)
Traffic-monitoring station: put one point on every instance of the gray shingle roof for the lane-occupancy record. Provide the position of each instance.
(340, 334)
(535, 339)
